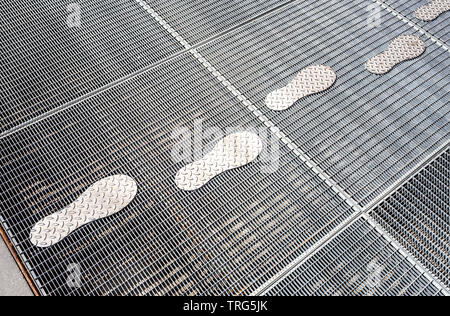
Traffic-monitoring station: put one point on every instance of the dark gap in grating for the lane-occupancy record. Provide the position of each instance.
(418, 216)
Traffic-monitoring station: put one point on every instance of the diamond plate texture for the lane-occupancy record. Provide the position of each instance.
(232, 152)
(105, 198)
(311, 80)
(432, 10)
(401, 49)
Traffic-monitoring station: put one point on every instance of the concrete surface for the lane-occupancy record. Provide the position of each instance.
(12, 282)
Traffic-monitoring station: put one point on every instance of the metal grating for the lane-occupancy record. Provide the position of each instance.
(246, 226)
(196, 21)
(437, 27)
(47, 61)
(418, 216)
(367, 131)
(227, 238)
(358, 262)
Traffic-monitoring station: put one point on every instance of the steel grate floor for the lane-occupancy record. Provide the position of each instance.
(51, 64)
(85, 103)
(359, 262)
(418, 215)
(366, 131)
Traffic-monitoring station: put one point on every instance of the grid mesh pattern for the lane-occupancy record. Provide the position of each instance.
(197, 21)
(358, 262)
(229, 237)
(367, 130)
(246, 225)
(438, 27)
(45, 63)
(418, 215)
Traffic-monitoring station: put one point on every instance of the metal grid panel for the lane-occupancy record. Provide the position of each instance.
(197, 21)
(229, 237)
(438, 27)
(366, 131)
(418, 215)
(359, 261)
(45, 63)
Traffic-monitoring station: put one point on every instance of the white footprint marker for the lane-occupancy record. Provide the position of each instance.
(432, 10)
(310, 80)
(232, 152)
(102, 199)
(401, 49)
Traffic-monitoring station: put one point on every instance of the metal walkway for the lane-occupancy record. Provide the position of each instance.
(353, 196)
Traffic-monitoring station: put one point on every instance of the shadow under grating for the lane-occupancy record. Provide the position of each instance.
(358, 262)
(418, 216)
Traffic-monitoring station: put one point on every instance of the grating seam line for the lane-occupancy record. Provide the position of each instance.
(355, 240)
(292, 146)
(274, 129)
(413, 6)
(336, 150)
(263, 290)
(230, 87)
(412, 233)
(133, 75)
(430, 276)
(418, 28)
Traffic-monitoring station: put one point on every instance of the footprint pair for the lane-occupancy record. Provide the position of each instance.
(407, 47)
(111, 195)
(318, 78)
